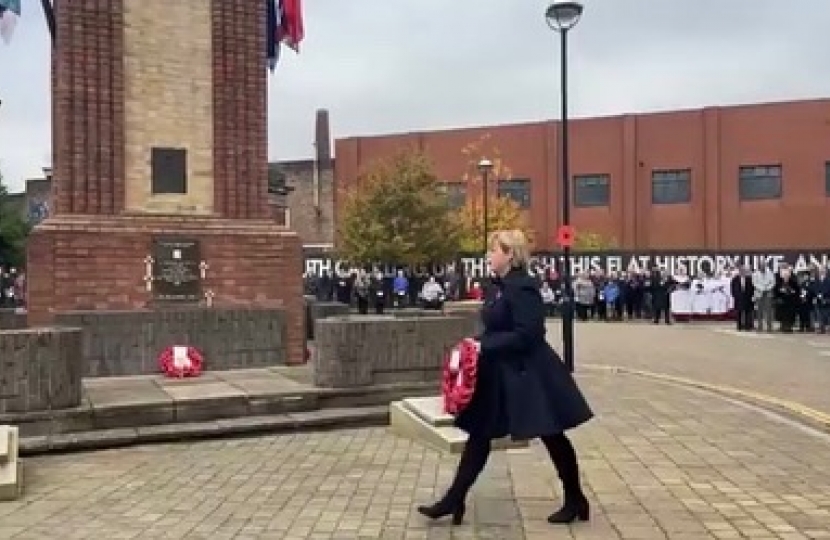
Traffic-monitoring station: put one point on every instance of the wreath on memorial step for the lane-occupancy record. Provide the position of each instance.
(181, 361)
(459, 377)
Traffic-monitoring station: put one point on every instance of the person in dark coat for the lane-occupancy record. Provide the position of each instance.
(787, 296)
(662, 286)
(523, 389)
(743, 292)
(377, 292)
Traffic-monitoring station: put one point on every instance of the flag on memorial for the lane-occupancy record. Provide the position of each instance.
(272, 38)
(8, 20)
(284, 20)
(291, 21)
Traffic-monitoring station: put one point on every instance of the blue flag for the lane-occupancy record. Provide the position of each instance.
(272, 40)
(11, 5)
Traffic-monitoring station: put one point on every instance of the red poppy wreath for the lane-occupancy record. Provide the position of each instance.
(459, 377)
(180, 361)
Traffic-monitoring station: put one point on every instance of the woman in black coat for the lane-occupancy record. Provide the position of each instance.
(523, 388)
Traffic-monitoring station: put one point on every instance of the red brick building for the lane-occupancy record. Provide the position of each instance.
(731, 178)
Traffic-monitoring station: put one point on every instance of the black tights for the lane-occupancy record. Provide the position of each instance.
(477, 450)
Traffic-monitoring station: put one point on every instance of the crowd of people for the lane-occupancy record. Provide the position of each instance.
(12, 288)
(762, 299)
(793, 299)
(372, 290)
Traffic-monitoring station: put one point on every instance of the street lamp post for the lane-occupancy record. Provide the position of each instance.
(561, 16)
(484, 167)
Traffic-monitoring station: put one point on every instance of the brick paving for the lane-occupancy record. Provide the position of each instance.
(793, 367)
(660, 462)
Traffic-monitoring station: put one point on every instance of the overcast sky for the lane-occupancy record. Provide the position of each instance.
(386, 66)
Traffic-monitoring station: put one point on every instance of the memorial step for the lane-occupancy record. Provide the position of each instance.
(11, 469)
(423, 420)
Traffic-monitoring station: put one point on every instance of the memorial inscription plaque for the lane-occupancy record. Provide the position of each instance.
(177, 277)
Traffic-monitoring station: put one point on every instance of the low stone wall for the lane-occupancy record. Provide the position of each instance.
(467, 309)
(40, 369)
(11, 319)
(316, 311)
(360, 350)
(119, 343)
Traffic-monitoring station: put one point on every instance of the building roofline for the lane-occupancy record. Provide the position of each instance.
(293, 162)
(651, 113)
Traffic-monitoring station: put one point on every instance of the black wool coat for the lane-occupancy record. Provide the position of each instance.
(523, 388)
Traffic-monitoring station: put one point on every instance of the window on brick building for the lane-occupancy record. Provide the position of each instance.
(759, 182)
(456, 193)
(671, 186)
(517, 189)
(592, 190)
(168, 170)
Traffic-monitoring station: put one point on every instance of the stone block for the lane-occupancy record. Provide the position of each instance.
(423, 420)
(5, 444)
(11, 469)
(374, 349)
(40, 369)
(12, 319)
(118, 343)
(317, 311)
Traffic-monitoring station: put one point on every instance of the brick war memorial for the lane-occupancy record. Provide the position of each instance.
(161, 232)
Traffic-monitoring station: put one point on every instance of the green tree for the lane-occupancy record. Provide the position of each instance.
(396, 213)
(13, 231)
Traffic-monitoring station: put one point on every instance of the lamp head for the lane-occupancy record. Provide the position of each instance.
(563, 15)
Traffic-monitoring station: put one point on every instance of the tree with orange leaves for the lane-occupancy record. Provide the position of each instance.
(502, 212)
(591, 241)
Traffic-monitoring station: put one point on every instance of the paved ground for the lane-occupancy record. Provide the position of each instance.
(660, 462)
(794, 367)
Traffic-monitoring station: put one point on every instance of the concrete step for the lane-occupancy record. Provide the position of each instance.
(11, 469)
(316, 420)
(423, 420)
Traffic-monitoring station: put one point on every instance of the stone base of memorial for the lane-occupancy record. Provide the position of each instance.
(163, 268)
(118, 343)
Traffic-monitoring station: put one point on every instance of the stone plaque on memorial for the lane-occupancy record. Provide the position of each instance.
(177, 274)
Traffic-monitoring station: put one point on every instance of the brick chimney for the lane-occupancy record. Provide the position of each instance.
(322, 140)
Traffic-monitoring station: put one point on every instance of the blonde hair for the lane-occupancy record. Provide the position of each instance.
(513, 242)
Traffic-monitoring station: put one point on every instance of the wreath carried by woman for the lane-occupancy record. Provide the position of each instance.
(459, 376)
(181, 361)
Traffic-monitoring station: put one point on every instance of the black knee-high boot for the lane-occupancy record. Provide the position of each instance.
(575, 505)
(472, 462)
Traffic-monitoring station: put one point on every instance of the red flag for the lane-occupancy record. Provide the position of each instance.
(292, 29)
